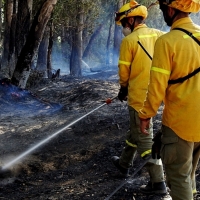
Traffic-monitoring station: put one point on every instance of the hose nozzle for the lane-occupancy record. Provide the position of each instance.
(108, 101)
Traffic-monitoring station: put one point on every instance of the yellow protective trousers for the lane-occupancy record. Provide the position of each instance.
(180, 158)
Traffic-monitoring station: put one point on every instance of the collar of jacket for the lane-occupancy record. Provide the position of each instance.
(180, 22)
(140, 26)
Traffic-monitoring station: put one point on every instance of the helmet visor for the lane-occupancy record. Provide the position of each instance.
(166, 2)
(117, 16)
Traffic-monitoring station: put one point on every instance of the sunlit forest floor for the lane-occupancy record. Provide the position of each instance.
(74, 163)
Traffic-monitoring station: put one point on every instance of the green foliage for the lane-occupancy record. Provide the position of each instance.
(94, 13)
(66, 13)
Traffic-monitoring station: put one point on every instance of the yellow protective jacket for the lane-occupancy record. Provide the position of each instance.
(176, 55)
(134, 64)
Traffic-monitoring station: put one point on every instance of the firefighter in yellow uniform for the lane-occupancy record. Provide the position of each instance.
(134, 71)
(175, 80)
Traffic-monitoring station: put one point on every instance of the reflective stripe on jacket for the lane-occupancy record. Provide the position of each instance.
(176, 55)
(134, 64)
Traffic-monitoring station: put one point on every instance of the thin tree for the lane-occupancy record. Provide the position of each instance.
(49, 52)
(43, 53)
(93, 37)
(0, 18)
(76, 56)
(6, 42)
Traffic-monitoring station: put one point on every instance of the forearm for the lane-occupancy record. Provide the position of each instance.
(124, 74)
(153, 100)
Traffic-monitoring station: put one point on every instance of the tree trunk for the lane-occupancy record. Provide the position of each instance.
(11, 55)
(49, 52)
(0, 19)
(108, 43)
(23, 67)
(5, 57)
(23, 24)
(42, 54)
(75, 62)
(75, 65)
(117, 37)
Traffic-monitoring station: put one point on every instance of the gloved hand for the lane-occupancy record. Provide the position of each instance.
(122, 95)
(155, 151)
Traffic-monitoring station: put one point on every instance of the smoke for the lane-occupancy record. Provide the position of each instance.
(195, 17)
(16, 101)
(91, 66)
(60, 58)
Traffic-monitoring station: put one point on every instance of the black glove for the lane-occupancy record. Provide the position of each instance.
(123, 92)
(155, 151)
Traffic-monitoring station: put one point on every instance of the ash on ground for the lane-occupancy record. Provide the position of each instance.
(74, 165)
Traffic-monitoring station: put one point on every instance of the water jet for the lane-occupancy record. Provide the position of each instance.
(4, 170)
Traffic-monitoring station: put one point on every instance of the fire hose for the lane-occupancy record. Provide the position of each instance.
(130, 177)
(4, 169)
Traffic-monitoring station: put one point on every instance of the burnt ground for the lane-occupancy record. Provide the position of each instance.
(74, 163)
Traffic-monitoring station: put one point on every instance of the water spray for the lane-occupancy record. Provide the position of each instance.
(5, 169)
(85, 63)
